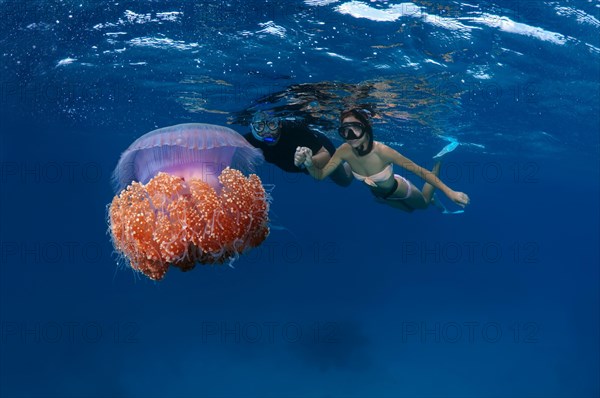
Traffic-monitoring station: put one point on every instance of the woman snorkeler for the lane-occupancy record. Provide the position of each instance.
(372, 162)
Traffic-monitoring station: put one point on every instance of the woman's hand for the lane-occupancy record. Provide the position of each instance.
(460, 198)
(303, 156)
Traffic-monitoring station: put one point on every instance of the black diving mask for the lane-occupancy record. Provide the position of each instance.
(352, 130)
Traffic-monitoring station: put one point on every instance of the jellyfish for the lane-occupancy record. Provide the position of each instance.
(182, 199)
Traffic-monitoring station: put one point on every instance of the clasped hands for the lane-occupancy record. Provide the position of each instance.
(303, 157)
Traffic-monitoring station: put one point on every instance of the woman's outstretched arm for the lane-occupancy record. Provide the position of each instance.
(303, 154)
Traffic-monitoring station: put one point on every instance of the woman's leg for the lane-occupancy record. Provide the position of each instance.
(396, 204)
(428, 188)
(416, 199)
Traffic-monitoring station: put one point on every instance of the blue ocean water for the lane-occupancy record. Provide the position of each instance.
(346, 297)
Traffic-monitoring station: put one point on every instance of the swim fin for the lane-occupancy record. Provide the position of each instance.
(440, 206)
(448, 148)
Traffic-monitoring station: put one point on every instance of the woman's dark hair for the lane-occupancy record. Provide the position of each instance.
(364, 116)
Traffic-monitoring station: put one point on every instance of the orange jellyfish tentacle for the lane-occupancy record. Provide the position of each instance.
(172, 222)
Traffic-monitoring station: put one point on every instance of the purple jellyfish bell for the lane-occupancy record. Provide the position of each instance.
(191, 150)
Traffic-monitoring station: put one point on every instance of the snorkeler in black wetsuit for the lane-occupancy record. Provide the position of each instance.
(278, 140)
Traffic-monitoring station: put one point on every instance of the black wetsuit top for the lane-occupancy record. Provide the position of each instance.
(293, 135)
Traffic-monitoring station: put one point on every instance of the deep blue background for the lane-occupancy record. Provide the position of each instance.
(359, 280)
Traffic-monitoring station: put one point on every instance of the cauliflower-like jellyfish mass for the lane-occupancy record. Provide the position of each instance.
(182, 199)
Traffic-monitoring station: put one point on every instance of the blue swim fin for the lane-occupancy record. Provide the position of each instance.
(440, 206)
(448, 148)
